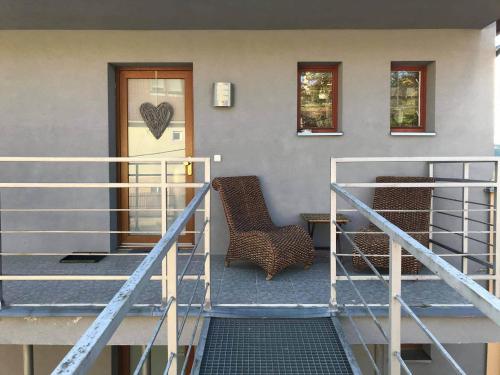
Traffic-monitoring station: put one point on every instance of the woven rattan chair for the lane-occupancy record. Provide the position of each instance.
(396, 199)
(252, 234)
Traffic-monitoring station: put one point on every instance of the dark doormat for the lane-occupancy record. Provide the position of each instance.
(83, 258)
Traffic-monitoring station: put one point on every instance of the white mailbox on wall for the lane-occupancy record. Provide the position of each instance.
(223, 94)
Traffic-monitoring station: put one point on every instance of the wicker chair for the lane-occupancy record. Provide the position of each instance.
(396, 199)
(252, 234)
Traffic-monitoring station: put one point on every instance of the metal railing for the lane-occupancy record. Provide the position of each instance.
(84, 353)
(164, 254)
(457, 279)
(471, 212)
(24, 174)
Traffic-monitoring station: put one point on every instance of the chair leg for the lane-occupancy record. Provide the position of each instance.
(307, 266)
(269, 277)
(227, 263)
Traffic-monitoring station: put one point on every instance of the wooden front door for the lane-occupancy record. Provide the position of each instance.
(171, 90)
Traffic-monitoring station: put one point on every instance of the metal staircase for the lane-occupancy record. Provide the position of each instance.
(273, 346)
(274, 342)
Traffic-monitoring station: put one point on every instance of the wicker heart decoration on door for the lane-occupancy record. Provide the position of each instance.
(157, 118)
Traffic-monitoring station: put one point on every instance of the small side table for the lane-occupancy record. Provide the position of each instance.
(319, 218)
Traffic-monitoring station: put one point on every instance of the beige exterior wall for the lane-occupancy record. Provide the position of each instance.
(46, 359)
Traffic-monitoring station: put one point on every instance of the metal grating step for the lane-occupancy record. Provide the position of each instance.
(275, 346)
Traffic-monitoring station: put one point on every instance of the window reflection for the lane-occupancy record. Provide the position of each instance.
(316, 104)
(405, 99)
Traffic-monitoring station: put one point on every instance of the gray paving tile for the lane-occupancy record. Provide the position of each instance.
(241, 283)
(311, 292)
(276, 292)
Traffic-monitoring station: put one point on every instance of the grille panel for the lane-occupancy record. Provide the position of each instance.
(273, 346)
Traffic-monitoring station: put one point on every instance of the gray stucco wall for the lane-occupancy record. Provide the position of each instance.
(55, 100)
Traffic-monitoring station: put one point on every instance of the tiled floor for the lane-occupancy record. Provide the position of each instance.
(242, 283)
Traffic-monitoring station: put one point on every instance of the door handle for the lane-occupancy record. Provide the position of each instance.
(189, 168)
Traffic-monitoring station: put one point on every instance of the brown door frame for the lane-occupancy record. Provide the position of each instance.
(122, 75)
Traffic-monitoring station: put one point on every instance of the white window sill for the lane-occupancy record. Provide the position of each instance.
(311, 134)
(413, 134)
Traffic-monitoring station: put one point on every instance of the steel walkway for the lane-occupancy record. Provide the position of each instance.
(258, 346)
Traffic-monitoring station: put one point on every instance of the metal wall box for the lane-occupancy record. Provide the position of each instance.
(223, 94)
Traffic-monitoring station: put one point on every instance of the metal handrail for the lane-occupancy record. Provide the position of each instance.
(84, 353)
(404, 305)
(464, 285)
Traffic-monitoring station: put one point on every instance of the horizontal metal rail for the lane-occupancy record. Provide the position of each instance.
(80, 277)
(97, 185)
(48, 231)
(411, 256)
(81, 357)
(85, 159)
(457, 252)
(430, 210)
(425, 159)
(466, 218)
(413, 277)
(71, 210)
(81, 253)
(461, 201)
(462, 234)
(416, 184)
(445, 231)
(464, 285)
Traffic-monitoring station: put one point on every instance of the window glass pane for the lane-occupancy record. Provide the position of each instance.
(405, 99)
(145, 201)
(316, 91)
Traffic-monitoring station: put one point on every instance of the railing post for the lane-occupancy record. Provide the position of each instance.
(1, 259)
(146, 368)
(333, 235)
(465, 219)
(28, 364)
(394, 308)
(163, 192)
(206, 237)
(431, 213)
(497, 229)
(136, 200)
(172, 344)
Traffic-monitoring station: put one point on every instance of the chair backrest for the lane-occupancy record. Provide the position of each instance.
(403, 198)
(243, 202)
